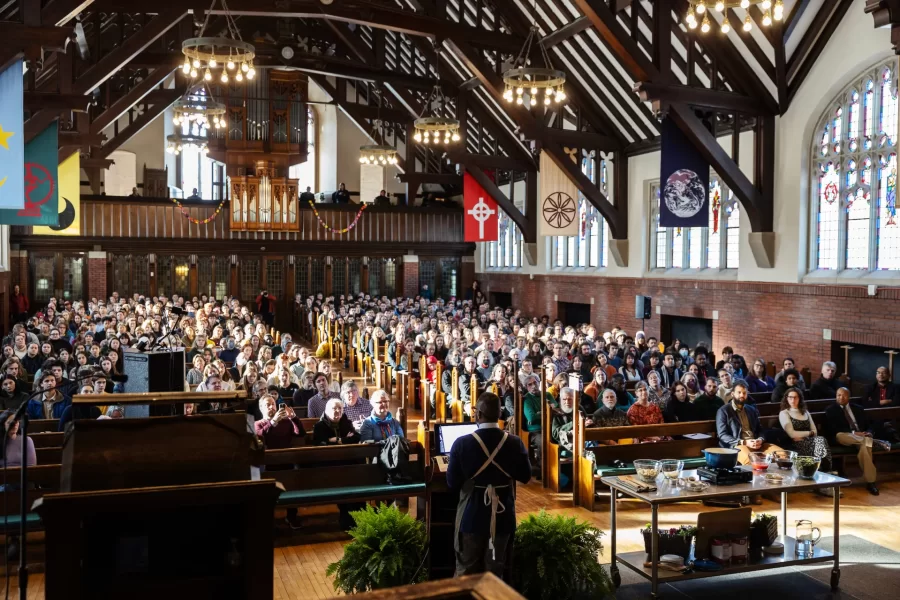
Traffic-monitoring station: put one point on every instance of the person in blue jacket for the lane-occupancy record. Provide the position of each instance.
(484, 466)
(381, 424)
(51, 404)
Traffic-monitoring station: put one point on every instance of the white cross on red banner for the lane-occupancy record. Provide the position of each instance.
(481, 212)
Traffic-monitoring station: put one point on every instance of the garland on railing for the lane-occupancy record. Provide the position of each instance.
(331, 229)
(187, 215)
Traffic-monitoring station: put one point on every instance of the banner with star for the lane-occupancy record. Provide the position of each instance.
(69, 199)
(41, 206)
(12, 138)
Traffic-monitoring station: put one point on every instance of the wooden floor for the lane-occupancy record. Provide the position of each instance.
(302, 557)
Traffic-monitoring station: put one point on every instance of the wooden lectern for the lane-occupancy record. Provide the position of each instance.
(166, 507)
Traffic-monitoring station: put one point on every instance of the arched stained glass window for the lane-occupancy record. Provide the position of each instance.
(854, 177)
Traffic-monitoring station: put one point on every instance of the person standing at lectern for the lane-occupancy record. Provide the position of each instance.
(484, 467)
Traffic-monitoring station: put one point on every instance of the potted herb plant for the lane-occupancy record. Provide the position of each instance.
(807, 466)
(763, 530)
(677, 540)
(387, 550)
(556, 558)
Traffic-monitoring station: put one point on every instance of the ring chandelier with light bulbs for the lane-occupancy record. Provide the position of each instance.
(700, 9)
(231, 54)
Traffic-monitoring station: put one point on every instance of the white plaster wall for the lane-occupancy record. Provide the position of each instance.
(855, 45)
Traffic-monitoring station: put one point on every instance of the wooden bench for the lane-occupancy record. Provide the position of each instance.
(345, 473)
(45, 479)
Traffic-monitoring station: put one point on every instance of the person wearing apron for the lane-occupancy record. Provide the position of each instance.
(484, 467)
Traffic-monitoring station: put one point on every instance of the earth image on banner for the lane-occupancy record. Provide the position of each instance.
(684, 193)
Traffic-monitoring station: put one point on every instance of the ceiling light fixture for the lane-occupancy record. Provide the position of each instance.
(771, 11)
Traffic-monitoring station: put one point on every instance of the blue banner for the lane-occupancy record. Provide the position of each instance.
(683, 180)
(12, 138)
(41, 182)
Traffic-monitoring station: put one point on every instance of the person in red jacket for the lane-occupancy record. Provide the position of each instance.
(265, 305)
(18, 305)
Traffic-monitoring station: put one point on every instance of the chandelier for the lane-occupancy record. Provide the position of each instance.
(200, 108)
(436, 128)
(521, 80)
(701, 8)
(378, 154)
(231, 53)
(175, 144)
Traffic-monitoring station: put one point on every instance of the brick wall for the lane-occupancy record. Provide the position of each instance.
(756, 319)
(96, 276)
(411, 279)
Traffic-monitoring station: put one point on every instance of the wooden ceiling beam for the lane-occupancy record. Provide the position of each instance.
(566, 31)
(723, 101)
(161, 102)
(60, 12)
(35, 101)
(797, 76)
(528, 226)
(793, 18)
(126, 102)
(534, 130)
(32, 41)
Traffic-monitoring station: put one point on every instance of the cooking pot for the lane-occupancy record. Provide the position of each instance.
(720, 458)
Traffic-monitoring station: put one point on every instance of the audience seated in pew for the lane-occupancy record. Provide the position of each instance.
(848, 425)
(380, 424)
(801, 429)
(827, 385)
(609, 413)
(738, 426)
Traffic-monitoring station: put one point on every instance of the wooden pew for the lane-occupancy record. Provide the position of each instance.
(456, 405)
(550, 458)
(345, 473)
(46, 479)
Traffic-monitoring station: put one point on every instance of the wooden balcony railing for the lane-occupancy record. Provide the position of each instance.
(161, 218)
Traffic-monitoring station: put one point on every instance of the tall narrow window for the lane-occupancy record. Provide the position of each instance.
(854, 177)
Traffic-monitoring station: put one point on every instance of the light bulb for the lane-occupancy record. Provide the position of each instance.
(196, 63)
(767, 19)
(446, 139)
(546, 100)
(244, 67)
(779, 10)
(705, 26)
(534, 91)
(239, 76)
(692, 24)
(426, 140)
(230, 65)
(701, 8)
(720, 6)
(766, 4)
(175, 120)
(251, 73)
(362, 160)
(186, 67)
(748, 24)
(193, 73)
(726, 26)
(372, 158)
(533, 101)
(213, 63)
(520, 90)
(561, 95)
(455, 137)
(417, 137)
(224, 76)
(207, 76)
(691, 18)
(222, 121)
(519, 100)
(745, 4)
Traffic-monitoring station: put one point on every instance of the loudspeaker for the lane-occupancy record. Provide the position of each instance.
(153, 372)
(642, 307)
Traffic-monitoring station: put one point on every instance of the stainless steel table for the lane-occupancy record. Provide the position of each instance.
(669, 494)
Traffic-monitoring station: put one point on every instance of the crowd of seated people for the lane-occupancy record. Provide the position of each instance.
(649, 382)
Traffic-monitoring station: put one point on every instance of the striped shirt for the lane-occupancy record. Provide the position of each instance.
(317, 404)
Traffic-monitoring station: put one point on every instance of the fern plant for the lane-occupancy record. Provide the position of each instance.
(387, 550)
(556, 558)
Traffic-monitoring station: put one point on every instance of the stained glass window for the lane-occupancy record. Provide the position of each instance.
(854, 175)
(589, 247)
(698, 247)
(506, 252)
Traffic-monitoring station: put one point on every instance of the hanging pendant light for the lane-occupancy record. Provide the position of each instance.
(436, 125)
(203, 53)
(378, 154)
(533, 79)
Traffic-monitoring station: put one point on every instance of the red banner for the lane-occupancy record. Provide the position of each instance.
(481, 212)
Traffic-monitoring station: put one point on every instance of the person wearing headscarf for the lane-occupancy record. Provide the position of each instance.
(381, 424)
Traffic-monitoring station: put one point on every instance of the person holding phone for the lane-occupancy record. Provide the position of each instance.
(277, 429)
